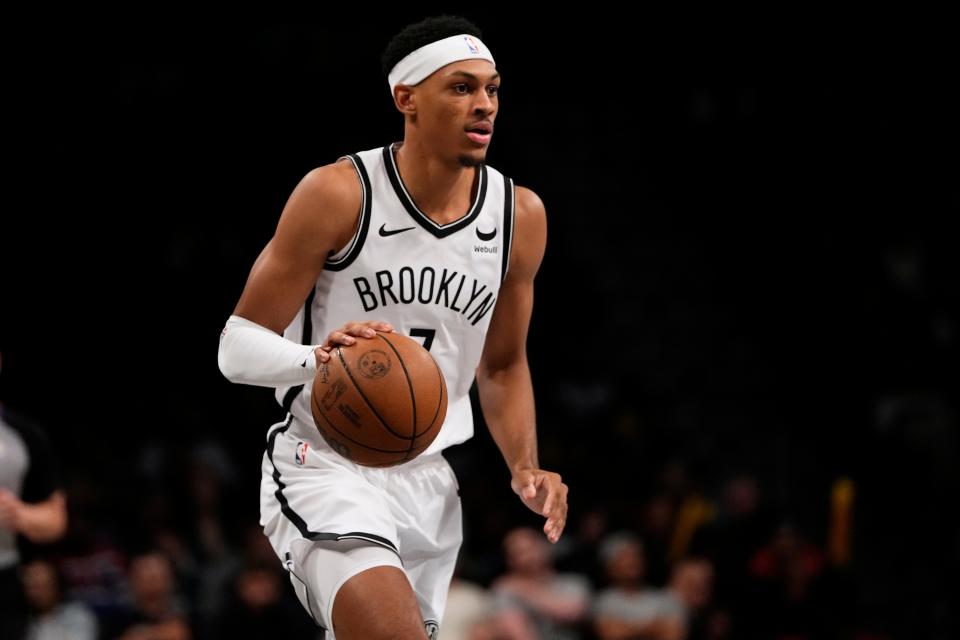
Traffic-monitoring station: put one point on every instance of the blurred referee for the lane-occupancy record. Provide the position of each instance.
(31, 504)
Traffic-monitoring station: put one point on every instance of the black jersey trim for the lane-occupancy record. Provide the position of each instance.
(509, 205)
(439, 230)
(360, 236)
(305, 338)
(300, 523)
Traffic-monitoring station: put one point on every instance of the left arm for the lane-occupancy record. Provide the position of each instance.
(44, 521)
(503, 377)
(39, 512)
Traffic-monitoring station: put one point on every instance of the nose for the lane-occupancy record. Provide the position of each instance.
(484, 104)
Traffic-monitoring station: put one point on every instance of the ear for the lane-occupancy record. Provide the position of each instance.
(404, 99)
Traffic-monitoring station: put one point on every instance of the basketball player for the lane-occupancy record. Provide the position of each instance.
(419, 237)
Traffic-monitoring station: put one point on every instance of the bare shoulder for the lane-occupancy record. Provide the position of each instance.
(530, 235)
(337, 179)
(529, 203)
(325, 203)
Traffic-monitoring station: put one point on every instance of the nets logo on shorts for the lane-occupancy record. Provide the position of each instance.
(432, 629)
(301, 455)
(472, 45)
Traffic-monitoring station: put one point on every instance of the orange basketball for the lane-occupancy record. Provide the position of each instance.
(380, 401)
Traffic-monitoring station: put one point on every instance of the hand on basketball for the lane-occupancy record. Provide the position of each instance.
(543, 492)
(348, 334)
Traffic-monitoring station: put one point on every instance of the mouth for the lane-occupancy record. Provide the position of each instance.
(479, 138)
(480, 132)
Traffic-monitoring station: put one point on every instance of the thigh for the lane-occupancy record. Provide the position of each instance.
(332, 580)
(377, 604)
(430, 531)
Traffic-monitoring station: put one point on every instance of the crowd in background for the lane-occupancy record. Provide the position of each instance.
(181, 555)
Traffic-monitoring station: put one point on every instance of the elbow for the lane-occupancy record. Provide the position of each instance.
(225, 365)
(227, 361)
(493, 370)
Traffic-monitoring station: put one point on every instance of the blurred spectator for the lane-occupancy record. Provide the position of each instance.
(50, 617)
(257, 608)
(787, 600)
(31, 505)
(469, 611)
(691, 586)
(742, 527)
(656, 525)
(626, 610)
(157, 612)
(533, 601)
(92, 564)
(578, 552)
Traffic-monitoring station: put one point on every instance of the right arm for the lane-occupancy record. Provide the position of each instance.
(319, 217)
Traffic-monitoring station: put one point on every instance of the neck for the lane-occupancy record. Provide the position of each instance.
(441, 188)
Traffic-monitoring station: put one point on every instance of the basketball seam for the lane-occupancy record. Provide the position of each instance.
(366, 446)
(413, 395)
(439, 403)
(356, 386)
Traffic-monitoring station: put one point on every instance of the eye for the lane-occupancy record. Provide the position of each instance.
(461, 88)
(493, 89)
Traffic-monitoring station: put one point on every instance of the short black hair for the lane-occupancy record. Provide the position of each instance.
(419, 34)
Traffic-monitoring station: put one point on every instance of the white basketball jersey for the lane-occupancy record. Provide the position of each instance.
(436, 283)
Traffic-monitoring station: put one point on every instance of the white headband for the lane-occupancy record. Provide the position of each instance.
(419, 64)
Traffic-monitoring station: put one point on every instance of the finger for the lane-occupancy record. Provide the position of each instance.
(536, 482)
(321, 355)
(530, 489)
(554, 495)
(559, 509)
(339, 337)
(360, 330)
(380, 325)
(557, 532)
(523, 485)
(554, 528)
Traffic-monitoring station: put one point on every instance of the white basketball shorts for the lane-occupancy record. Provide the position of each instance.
(312, 497)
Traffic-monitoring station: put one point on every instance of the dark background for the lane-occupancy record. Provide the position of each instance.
(751, 267)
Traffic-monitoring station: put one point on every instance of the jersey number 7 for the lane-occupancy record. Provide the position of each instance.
(426, 334)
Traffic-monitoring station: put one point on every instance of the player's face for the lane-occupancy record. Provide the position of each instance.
(459, 105)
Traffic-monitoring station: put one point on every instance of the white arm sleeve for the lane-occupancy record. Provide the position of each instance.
(252, 354)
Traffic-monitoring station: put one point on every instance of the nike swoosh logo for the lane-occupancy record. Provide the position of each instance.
(304, 364)
(384, 232)
(490, 235)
